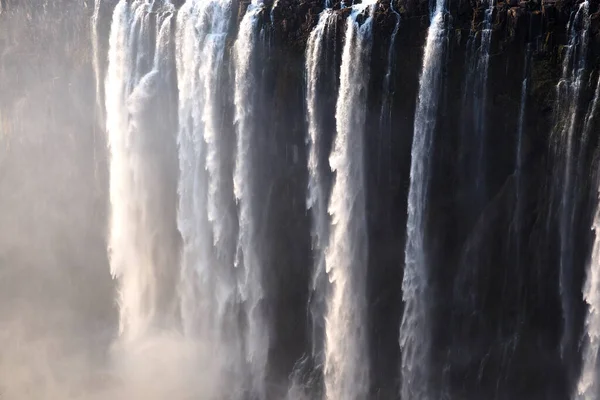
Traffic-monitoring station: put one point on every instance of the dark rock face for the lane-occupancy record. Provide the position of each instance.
(497, 316)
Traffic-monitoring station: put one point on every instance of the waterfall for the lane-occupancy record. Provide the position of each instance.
(151, 358)
(273, 8)
(480, 100)
(591, 113)
(346, 355)
(474, 101)
(519, 153)
(567, 116)
(306, 379)
(142, 238)
(587, 387)
(96, 60)
(207, 288)
(390, 63)
(246, 239)
(588, 384)
(483, 62)
(415, 326)
(385, 117)
(317, 192)
(248, 257)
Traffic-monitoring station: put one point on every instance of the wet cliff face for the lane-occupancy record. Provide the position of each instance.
(496, 301)
(496, 310)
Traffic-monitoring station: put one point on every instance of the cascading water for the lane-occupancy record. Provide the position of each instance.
(586, 132)
(346, 357)
(588, 385)
(483, 63)
(256, 342)
(318, 62)
(208, 288)
(474, 102)
(317, 192)
(473, 140)
(219, 293)
(97, 64)
(568, 114)
(142, 235)
(415, 326)
(390, 64)
(386, 106)
(519, 154)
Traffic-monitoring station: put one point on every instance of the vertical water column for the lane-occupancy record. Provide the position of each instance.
(483, 62)
(316, 191)
(307, 378)
(519, 155)
(248, 258)
(346, 370)
(591, 113)
(142, 238)
(567, 116)
(415, 326)
(588, 124)
(473, 108)
(97, 60)
(100, 32)
(588, 386)
(389, 68)
(208, 289)
(385, 117)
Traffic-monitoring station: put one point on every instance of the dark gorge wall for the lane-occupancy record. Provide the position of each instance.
(498, 291)
(497, 319)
